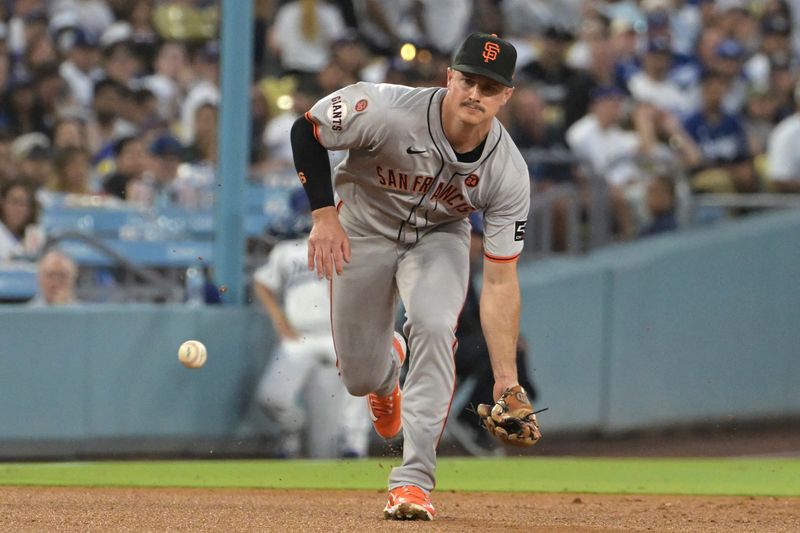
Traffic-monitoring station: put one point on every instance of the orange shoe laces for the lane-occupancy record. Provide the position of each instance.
(381, 406)
(412, 493)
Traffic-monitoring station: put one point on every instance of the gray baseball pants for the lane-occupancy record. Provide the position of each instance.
(430, 277)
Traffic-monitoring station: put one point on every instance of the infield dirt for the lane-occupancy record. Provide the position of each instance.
(117, 509)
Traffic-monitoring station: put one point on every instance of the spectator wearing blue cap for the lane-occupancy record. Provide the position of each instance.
(729, 58)
(159, 185)
(726, 164)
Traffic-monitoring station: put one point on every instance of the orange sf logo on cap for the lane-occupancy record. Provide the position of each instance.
(490, 51)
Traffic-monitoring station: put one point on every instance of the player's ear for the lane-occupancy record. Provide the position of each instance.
(508, 91)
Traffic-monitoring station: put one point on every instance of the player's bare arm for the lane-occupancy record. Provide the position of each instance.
(273, 308)
(328, 245)
(500, 307)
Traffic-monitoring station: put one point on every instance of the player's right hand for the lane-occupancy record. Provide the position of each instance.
(328, 245)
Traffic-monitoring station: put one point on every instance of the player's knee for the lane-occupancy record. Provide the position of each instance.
(433, 329)
(358, 388)
(359, 384)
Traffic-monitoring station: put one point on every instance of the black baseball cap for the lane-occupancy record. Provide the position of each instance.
(487, 55)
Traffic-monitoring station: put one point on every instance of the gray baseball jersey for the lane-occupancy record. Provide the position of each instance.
(404, 198)
(401, 176)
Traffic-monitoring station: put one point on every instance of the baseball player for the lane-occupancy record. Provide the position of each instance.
(298, 304)
(419, 160)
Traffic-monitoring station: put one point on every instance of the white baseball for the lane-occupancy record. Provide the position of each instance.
(192, 354)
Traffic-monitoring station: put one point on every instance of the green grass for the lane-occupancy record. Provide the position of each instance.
(752, 477)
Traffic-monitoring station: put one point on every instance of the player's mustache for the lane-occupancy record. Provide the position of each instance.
(470, 103)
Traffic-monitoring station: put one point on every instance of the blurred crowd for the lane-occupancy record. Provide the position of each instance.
(118, 99)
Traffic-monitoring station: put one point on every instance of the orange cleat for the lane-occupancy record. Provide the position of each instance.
(385, 410)
(409, 502)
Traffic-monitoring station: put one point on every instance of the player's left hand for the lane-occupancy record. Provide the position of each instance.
(511, 419)
(328, 245)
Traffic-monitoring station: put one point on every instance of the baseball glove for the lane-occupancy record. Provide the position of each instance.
(511, 420)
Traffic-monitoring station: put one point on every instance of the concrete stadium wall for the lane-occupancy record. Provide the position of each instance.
(111, 372)
(694, 327)
(678, 329)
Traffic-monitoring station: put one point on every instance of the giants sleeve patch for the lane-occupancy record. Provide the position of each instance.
(519, 230)
(336, 113)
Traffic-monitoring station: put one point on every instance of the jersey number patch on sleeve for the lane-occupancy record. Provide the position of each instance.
(519, 230)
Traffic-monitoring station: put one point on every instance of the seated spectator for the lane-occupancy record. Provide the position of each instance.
(32, 155)
(73, 172)
(106, 125)
(601, 57)
(652, 84)
(758, 119)
(171, 76)
(20, 113)
(549, 74)
(609, 152)
(729, 56)
(351, 55)
(660, 205)
(81, 65)
(19, 214)
(661, 131)
(70, 132)
(203, 147)
(130, 165)
(783, 153)
(782, 84)
(158, 187)
(121, 62)
(776, 41)
(57, 278)
(727, 164)
(533, 135)
(302, 34)
(202, 90)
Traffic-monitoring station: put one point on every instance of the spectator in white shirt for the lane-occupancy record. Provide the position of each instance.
(303, 33)
(653, 85)
(783, 156)
(80, 70)
(608, 151)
